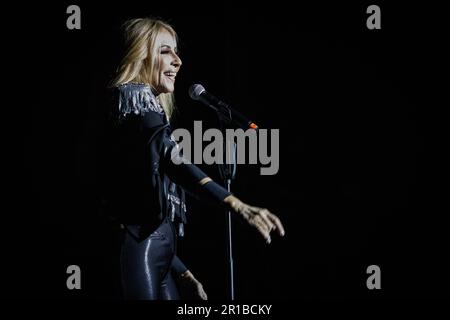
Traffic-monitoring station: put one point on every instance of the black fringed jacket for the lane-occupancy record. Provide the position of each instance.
(148, 184)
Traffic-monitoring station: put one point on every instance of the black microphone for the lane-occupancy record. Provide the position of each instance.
(198, 92)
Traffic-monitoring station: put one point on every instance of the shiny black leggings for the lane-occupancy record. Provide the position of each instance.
(145, 265)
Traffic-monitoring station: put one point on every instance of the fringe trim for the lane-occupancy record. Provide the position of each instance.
(137, 98)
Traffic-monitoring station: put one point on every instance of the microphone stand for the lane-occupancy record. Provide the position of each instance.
(227, 171)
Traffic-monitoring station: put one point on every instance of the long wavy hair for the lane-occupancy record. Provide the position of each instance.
(141, 56)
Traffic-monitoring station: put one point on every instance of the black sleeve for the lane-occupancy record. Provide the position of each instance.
(178, 266)
(178, 168)
(182, 171)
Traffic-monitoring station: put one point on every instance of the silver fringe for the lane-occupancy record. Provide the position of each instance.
(137, 98)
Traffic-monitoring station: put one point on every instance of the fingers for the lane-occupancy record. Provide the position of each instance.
(262, 228)
(265, 216)
(266, 222)
(263, 220)
(277, 223)
(197, 290)
(202, 294)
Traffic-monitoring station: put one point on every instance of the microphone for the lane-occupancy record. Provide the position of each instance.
(198, 92)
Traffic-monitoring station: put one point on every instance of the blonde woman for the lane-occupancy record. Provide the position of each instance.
(150, 195)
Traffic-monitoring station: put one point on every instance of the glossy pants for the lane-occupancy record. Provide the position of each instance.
(146, 264)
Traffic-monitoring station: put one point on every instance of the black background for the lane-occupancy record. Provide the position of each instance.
(354, 186)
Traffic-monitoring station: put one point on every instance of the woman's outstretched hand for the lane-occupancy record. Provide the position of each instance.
(261, 218)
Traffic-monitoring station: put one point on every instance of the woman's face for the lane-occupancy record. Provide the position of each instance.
(167, 64)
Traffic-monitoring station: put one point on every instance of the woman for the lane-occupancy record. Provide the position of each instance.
(150, 199)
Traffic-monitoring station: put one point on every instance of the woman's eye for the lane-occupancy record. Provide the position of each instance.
(165, 51)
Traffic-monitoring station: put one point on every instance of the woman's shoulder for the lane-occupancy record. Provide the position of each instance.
(136, 98)
(133, 86)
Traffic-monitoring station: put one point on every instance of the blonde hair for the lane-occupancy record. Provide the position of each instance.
(141, 56)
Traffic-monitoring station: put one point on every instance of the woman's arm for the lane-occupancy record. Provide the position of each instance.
(138, 99)
(190, 176)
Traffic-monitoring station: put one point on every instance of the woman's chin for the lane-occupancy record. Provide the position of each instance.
(166, 89)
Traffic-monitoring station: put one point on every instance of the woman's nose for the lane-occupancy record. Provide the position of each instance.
(176, 61)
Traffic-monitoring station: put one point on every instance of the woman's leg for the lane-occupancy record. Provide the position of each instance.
(146, 265)
(169, 290)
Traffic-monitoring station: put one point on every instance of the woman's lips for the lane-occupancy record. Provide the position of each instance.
(170, 75)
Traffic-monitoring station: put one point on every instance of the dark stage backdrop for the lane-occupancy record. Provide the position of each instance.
(352, 188)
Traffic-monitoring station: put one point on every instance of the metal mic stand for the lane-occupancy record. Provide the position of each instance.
(227, 171)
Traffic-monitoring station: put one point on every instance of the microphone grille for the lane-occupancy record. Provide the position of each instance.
(195, 91)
